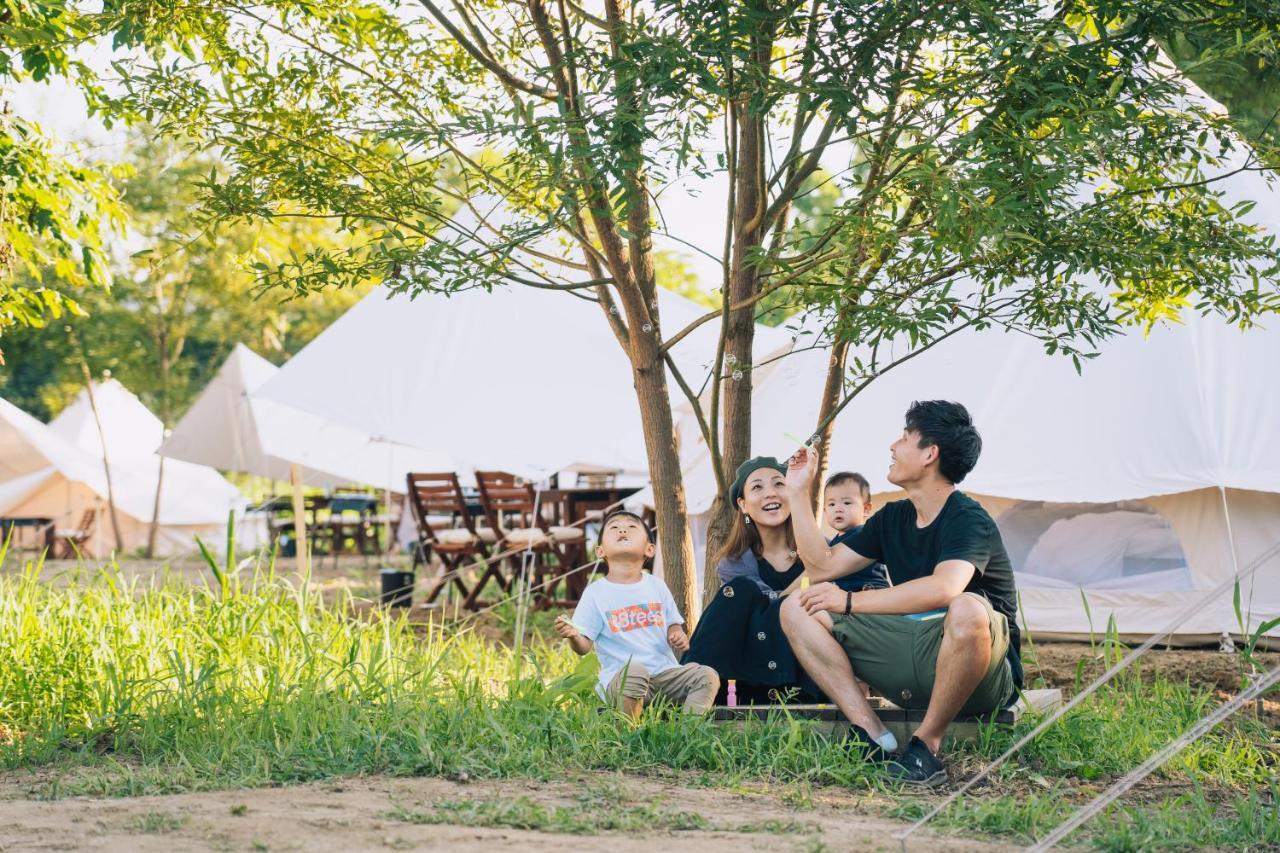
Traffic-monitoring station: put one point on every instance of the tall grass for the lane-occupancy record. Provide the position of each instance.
(257, 680)
(125, 687)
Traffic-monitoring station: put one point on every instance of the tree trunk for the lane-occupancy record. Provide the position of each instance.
(656, 418)
(744, 282)
(830, 398)
(717, 534)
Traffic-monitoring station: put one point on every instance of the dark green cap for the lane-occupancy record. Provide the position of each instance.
(745, 469)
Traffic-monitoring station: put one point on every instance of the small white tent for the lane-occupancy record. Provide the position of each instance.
(56, 471)
(230, 429)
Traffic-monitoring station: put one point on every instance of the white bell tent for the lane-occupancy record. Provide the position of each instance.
(1137, 486)
(519, 379)
(1144, 482)
(229, 428)
(56, 471)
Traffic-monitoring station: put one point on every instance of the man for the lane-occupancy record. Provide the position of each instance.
(944, 636)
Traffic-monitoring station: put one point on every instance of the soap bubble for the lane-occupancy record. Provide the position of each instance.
(737, 375)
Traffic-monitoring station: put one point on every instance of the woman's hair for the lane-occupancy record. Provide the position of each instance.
(743, 536)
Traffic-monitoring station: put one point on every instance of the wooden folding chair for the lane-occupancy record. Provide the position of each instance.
(70, 543)
(508, 504)
(438, 504)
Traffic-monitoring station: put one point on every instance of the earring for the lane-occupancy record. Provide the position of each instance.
(746, 519)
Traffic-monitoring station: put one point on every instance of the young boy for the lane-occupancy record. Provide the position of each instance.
(631, 620)
(846, 501)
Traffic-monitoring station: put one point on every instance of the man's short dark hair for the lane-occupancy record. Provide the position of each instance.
(623, 513)
(841, 477)
(947, 426)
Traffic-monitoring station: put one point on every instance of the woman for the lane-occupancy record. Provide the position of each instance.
(740, 635)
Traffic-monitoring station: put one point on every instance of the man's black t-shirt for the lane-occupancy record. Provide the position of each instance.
(874, 576)
(962, 531)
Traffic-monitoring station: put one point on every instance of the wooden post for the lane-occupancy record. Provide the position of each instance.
(300, 522)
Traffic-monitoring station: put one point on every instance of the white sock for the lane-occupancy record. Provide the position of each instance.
(888, 742)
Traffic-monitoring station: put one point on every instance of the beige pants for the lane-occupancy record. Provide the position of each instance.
(692, 686)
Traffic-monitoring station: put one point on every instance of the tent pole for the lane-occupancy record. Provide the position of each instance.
(106, 465)
(300, 522)
(389, 544)
(1235, 557)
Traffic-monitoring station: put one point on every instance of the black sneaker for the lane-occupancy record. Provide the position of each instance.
(917, 765)
(860, 743)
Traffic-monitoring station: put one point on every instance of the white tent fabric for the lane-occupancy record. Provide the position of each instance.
(128, 427)
(1200, 398)
(518, 379)
(56, 471)
(227, 427)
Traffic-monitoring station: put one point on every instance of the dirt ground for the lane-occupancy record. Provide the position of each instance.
(361, 814)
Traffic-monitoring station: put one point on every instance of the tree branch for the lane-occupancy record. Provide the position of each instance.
(484, 58)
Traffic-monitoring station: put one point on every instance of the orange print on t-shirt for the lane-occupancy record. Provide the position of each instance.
(635, 617)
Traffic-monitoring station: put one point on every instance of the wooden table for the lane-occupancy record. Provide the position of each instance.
(37, 525)
(573, 504)
(332, 531)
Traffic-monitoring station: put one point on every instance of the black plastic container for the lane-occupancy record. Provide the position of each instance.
(397, 588)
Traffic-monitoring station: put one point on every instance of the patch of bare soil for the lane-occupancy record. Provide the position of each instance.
(1222, 672)
(378, 813)
(1057, 663)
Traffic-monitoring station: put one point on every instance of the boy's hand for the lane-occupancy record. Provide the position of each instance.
(800, 468)
(565, 628)
(823, 596)
(678, 639)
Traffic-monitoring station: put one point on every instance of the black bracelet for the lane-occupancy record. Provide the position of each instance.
(848, 602)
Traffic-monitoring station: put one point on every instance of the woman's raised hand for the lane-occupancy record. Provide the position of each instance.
(800, 468)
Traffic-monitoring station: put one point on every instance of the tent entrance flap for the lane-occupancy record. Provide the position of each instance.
(1116, 545)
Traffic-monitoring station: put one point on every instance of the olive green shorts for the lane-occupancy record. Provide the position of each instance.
(898, 656)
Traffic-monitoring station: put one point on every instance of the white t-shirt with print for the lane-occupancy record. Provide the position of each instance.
(628, 621)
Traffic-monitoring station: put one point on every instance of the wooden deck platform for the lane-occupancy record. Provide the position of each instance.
(901, 721)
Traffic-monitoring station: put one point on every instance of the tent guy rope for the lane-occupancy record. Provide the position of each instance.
(1128, 659)
(1133, 777)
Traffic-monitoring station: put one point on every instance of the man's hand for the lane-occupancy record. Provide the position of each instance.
(565, 628)
(823, 596)
(800, 468)
(678, 639)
